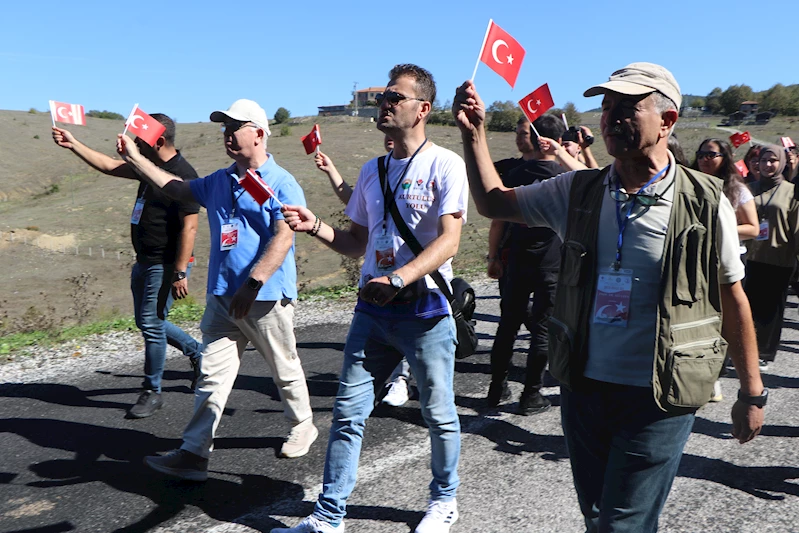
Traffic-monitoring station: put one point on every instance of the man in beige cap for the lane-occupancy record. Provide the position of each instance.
(649, 260)
(252, 286)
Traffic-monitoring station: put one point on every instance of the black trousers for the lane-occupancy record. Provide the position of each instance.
(524, 278)
(766, 286)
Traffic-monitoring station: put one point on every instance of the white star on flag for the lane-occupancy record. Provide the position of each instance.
(144, 126)
(620, 308)
(538, 102)
(510, 60)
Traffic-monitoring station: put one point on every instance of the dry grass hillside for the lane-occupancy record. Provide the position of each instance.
(53, 203)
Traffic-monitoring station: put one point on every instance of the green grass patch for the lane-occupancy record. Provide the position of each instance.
(332, 292)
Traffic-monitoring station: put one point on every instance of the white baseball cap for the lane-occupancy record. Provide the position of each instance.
(638, 79)
(244, 111)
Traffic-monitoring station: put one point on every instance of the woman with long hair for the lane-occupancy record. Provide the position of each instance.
(714, 157)
(771, 256)
(752, 162)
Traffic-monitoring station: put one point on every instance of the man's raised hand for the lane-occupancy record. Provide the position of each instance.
(468, 108)
(126, 147)
(63, 138)
(298, 218)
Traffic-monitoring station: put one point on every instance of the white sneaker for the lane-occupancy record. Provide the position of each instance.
(310, 525)
(439, 517)
(397, 393)
(717, 395)
(299, 440)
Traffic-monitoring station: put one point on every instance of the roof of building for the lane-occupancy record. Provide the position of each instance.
(372, 90)
(749, 102)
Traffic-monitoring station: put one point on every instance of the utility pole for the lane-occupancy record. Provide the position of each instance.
(355, 97)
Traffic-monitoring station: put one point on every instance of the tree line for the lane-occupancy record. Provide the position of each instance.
(781, 99)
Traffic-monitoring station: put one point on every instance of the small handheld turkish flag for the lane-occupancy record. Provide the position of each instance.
(741, 167)
(502, 53)
(67, 113)
(144, 126)
(312, 140)
(258, 188)
(787, 142)
(737, 139)
(537, 102)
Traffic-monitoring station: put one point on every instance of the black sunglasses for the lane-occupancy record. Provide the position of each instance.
(707, 154)
(394, 98)
(229, 128)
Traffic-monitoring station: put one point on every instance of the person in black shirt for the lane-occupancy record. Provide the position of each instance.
(162, 232)
(532, 268)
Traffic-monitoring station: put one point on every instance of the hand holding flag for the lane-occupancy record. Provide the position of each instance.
(502, 53)
(737, 139)
(144, 126)
(67, 113)
(312, 140)
(258, 188)
(787, 142)
(537, 103)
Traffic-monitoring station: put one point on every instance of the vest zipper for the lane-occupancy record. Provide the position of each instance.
(696, 344)
(696, 323)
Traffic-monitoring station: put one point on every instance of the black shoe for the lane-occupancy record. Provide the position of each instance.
(148, 403)
(532, 404)
(180, 463)
(195, 371)
(498, 392)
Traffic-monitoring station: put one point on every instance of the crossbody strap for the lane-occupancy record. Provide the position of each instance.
(410, 239)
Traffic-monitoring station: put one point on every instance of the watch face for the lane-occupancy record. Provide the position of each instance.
(396, 282)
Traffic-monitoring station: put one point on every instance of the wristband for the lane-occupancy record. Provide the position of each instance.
(317, 225)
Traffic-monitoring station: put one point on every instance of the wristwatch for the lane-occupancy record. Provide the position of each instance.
(178, 275)
(757, 401)
(396, 281)
(254, 284)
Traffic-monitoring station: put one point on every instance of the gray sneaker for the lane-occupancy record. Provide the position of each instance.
(181, 464)
(299, 440)
(148, 403)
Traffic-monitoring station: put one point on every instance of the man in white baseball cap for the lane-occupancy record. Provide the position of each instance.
(252, 286)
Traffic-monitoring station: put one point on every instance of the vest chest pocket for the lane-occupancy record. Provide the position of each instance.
(689, 254)
(574, 264)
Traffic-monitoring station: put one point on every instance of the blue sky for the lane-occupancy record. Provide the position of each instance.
(187, 59)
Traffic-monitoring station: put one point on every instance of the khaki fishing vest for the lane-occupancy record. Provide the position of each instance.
(689, 351)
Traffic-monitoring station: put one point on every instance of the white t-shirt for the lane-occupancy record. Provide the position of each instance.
(616, 354)
(435, 185)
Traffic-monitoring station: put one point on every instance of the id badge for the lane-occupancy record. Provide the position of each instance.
(764, 231)
(135, 216)
(229, 236)
(612, 302)
(384, 253)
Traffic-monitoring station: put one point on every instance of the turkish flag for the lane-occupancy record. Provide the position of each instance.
(787, 142)
(260, 191)
(67, 113)
(312, 140)
(741, 166)
(502, 53)
(738, 139)
(144, 126)
(537, 102)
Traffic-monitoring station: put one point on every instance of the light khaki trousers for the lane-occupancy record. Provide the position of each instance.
(270, 328)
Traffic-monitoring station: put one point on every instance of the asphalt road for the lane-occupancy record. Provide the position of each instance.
(70, 461)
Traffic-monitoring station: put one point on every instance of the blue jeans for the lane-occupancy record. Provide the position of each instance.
(624, 454)
(152, 298)
(374, 347)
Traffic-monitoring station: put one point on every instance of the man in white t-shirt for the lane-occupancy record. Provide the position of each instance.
(650, 257)
(400, 310)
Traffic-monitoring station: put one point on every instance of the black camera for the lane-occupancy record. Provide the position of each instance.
(571, 134)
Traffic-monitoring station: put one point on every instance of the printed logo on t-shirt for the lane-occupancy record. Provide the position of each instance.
(406, 184)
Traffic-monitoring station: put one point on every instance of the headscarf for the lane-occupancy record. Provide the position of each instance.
(779, 152)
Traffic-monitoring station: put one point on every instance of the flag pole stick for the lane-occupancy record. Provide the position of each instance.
(127, 122)
(52, 109)
(565, 123)
(535, 130)
(482, 48)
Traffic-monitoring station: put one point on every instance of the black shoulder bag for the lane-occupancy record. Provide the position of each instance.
(467, 337)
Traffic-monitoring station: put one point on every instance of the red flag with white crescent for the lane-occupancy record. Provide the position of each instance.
(737, 139)
(67, 113)
(312, 140)
(787, 142)
(144, 126)
(502, 53)
(537, 102)
(741, 167)
(260, 191)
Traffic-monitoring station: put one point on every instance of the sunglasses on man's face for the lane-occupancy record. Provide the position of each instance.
(229, 128)
(393, 98)
(707, 154)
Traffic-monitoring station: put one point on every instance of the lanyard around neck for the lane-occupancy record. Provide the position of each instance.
(622, 222)
(762, 206)
(387, 192)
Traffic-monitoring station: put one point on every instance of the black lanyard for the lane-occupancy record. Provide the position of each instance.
(763, 207)
(234, 198)
(387, 192)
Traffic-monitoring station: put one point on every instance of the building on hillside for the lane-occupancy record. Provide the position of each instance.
(335, 110)
(736, 118)
(748, 108)
(763, 117)
(368, 96)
